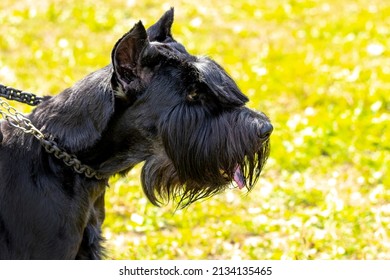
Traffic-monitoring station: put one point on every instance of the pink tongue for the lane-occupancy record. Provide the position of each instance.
(238, 178)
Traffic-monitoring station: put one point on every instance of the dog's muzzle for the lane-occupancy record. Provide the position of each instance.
(255, 147)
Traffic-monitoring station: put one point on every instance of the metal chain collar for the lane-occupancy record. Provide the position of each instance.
(19, 121)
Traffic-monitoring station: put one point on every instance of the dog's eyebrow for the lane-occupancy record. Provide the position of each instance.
(220, 84)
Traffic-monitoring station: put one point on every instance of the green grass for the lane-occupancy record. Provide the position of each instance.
(319, 69)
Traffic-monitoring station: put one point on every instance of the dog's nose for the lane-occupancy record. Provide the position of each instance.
(266, 130)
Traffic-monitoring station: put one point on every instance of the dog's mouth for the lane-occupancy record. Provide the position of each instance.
(238, 177)
(246, 173)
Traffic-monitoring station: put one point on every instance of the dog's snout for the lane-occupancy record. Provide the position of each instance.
(266, 130)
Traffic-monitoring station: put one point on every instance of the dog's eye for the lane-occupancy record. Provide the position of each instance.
(193, 96)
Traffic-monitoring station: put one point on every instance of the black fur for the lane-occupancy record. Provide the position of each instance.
(180, 114)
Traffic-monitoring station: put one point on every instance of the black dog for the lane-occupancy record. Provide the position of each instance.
(180, 114)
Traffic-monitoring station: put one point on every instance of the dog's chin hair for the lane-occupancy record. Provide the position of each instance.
(252, 165)
(161, 184)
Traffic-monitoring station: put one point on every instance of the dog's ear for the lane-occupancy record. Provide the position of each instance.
(126, 59)
(161, 30)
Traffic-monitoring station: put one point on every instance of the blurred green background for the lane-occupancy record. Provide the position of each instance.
(319, 69)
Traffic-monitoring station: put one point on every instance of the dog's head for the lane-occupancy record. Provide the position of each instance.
(181, 114)
(187, 114)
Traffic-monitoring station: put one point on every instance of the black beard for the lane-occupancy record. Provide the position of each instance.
(204, 154)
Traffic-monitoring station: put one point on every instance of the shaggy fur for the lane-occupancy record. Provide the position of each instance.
(182, 115)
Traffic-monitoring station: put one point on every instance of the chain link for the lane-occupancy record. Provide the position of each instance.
(19, 121)
(70, 160)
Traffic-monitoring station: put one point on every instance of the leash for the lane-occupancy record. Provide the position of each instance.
(20, 96)
(19, 121)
